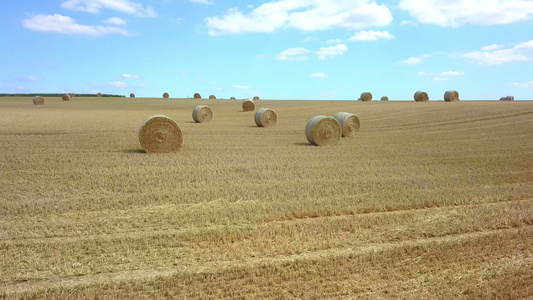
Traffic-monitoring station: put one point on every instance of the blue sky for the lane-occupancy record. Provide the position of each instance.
(284, 49)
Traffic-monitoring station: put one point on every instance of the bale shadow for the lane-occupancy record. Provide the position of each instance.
(135, 151)
(303, 144)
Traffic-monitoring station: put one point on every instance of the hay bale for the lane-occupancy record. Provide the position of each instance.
(72, 95)
(366, 96)
(99, 95)
(212, 97)
(38, 100)
(451, 96)
(160, 134)
(197, 96)
(323, 131)
(507, 98)
(349, 123)
(232, 98)
(65, 97)
(256, 97)
(132, 95)
(265, 117)
(166, 95)
(248, 105)
(384, 98)
(202, 114)
(421, 96)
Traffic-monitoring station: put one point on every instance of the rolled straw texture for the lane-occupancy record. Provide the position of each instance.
(265, 117)
(349, 123)
(166, 95)
(384, 98)
(65, 97)
(197, 96)
(132, 95)
(421, 96)
(256, 97)
(38, 100)
(451, 96)
(323, 131)
(99, 95)
(160, 134)
(212, 97)
(202, 114)
(366, 96)
(248, 105)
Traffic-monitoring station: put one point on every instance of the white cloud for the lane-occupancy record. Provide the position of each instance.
(202, 2)
(30, 78)
(458, 12)
(319, 75)
(371, 35)
(443, 76)
(408, 23)
(131, 76)
(334, 41)
(524, 85)
(304, 15)
(520, 52)
(125, 6)
(415, 60)
(66, 25)
(119, 84)
(115, 21)
(323, 53)
(241, 87)
(293, 54)
(492, 47)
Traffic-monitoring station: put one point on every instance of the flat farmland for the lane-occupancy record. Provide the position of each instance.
(429, 200)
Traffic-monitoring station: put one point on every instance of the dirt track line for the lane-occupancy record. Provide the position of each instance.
(220, 266)
(196, 230)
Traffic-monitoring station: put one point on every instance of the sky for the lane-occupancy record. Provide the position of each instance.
(283, 49)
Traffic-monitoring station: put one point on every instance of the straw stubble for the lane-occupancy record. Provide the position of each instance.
(160, 134)
(323, 131)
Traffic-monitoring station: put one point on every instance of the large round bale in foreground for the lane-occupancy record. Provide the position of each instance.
(366, 96)
(132, 95)
(99, 95)
(421, 96)
(451, 96)
(384, 98)
(202, 114)
(38, 100)
(212, 97)
(265, 117)
(65, 97)
(256, 97)
(248, 105)
(323, 131)
(349, 123)
(160, 134)
(197, 96)
(166, 95)
(507, 98)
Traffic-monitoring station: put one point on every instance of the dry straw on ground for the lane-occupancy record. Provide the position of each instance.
(65, 97)
(212, 97)
(38, 100)
(265, 117)
(197, 96)
(507, 98)
(202, 114)
(132, 95)
(248, 105)
(323, 131)
(256, 97)
(99, 95)
(366, 96)
(166, 95)
(451, 96)
(349, 123)
(160, 134)
(421, 96)
(384, 98)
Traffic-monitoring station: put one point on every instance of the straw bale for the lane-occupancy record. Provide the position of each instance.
(256, 97)
(202, 114)
(451, 96)
(248, 105)
(265, 117)
(197, 96)
(384, 98)
(72, 95)
(232, 98)
(349, 123)
(166, 95)
(65, 97)
(99, 95)
(38, 100)
(132, 95)
(212, 97)
(507, 98)
(366, 96)
(160, 134)
(421, 96)
(323, 131)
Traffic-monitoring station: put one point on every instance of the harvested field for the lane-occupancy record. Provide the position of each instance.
(430, 201)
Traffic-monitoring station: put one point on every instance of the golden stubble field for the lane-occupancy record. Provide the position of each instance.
(429, 201)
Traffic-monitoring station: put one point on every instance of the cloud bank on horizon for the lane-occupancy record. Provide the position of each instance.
(319, 47)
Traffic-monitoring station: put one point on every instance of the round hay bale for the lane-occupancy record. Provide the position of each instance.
(451, 96)
(65, 97)
(248, 105)
(38, 100)
(212, 97)
(421, 96)
(99, 95)
(132, 95)
(202, 114)
(256, 97)
(349, 123)
(160, 134)
(197, 96)
(232, 98)
(166, 95)
(72, 95)
(507, 98)
(384, 98)
(323, 131)
(265, 117)
(366, 96)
